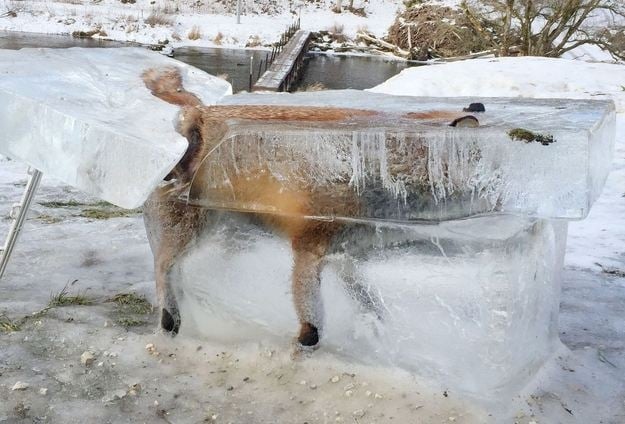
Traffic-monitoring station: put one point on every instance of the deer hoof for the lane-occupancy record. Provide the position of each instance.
(170, 322)
(308, 335)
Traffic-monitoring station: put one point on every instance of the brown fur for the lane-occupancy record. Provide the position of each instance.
(172, 226)
(435, 115)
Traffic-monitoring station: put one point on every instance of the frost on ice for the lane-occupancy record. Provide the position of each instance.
(85, 117)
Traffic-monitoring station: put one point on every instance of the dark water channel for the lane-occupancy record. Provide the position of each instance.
(333, 72)
(19, 40)
(357, 72)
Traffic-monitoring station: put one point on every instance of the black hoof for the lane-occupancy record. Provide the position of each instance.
(169, 323)
(308, 335)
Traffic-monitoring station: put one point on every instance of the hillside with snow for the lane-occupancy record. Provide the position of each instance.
(193, 23)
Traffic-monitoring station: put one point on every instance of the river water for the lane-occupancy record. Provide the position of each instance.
(333, 72)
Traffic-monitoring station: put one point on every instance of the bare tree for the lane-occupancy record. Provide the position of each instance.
(547, 27)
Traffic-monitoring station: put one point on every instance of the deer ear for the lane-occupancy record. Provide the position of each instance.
(475, 107)
(468, 121)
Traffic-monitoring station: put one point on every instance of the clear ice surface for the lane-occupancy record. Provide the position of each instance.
(394, 166)
(85, 117)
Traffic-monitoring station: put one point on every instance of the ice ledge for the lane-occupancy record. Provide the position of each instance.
(405, 164)
(85, 117)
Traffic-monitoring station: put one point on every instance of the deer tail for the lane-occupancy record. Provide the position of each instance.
(166, 84)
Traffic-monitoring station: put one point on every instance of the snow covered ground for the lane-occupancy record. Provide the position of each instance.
(192, 23)
(99, 252)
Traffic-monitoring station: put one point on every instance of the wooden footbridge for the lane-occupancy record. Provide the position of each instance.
(286, 64)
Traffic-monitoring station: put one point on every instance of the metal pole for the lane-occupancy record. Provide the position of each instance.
(238, 11)
(251, 70)
(18, 221)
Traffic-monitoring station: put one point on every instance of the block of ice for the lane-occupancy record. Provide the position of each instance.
(85, 117)
(404, 163)
(470, 304)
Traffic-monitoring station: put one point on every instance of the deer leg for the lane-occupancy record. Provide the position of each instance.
(309, 250)
(307, 296)
(177, 226)
(170, 315)
(367, 299)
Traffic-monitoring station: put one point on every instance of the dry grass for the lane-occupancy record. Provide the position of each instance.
(85, 34)
(63, 298)
(157, 18)
(358, 11)
(336, 33)
(175, 36)
(168, 9)
(254, 41)
(218, 38)
(7, 325)
(97, 210)
(49, 219)
(315, 86)
(132, 309)
(195, 33)
(128, 322)
(435, 31)
(131, 302)
(61, 204)
(107, 213)
(362, 28)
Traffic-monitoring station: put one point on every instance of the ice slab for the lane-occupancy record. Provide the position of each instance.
(85, 117)
(470, 304)
(405, 164)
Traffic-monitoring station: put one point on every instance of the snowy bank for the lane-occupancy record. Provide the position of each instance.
(189, 23)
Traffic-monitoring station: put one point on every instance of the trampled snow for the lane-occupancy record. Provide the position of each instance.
(85, 117)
